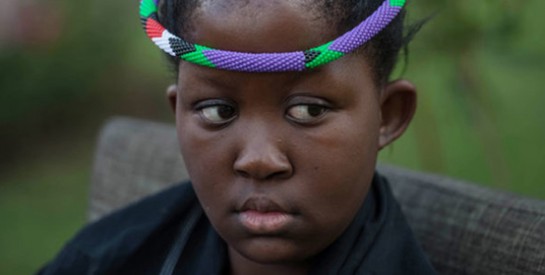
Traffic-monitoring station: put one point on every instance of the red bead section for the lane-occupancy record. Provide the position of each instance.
(154, 29)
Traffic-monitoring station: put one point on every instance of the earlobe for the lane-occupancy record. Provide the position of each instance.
(172, 96)
(398, 105)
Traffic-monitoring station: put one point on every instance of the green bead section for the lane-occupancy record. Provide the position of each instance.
(326, 56)
(397, 3)
(147, 7)
(198, 57)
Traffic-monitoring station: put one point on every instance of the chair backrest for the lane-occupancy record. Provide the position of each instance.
(464, 229)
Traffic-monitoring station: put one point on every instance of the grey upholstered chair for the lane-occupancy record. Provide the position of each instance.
(464, 229)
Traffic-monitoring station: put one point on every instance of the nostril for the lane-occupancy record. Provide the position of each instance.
(277, 175)
(242, 173)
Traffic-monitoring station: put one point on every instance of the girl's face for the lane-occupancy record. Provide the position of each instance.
(281, 162)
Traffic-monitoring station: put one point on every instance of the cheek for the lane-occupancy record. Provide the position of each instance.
(349, 143)
(201, 149)
(339, 162)
(207, 159)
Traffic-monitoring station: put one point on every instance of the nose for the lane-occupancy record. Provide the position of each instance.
(262, 157)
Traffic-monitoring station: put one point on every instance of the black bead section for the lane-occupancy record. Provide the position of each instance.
(310, 55)
(144, 21)
(181, 47)
(154, 16)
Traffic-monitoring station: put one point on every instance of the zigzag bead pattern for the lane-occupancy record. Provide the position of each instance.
(267, 62)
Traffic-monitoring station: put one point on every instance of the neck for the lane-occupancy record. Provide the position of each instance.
(240, 265)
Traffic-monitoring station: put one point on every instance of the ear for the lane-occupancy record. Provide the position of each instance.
(172, 96)
(398, 104)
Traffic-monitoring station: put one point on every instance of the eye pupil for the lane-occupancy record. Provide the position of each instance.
(314, 110)
(225, 112)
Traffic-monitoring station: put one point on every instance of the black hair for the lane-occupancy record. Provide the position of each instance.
(382, 51)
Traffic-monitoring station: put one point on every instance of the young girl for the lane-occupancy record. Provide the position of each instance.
(281, 109)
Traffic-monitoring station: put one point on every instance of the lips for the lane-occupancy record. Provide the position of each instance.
(262, 204)
(263, 216)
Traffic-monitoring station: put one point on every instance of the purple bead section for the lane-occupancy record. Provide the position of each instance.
(255, 63)
(156, 2)
(366, 30)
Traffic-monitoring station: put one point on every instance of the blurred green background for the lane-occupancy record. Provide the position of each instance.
(66, 66)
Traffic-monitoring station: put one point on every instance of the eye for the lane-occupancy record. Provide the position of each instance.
(306, 113)
(215, 112)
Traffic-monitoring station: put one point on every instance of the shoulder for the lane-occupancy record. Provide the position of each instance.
(111, 239)
(395, 240)
(141, 216)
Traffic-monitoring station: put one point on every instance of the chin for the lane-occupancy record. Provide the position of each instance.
(272, 250)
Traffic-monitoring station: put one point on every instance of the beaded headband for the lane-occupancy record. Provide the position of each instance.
(267, 62)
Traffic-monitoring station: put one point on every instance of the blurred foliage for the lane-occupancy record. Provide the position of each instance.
(477, 65)
(53, 98)
(40, 210)
(88, 70)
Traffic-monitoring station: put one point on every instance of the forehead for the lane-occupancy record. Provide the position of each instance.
(267, 26)
(258, 26)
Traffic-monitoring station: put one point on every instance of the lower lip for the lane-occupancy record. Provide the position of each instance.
(264, 222)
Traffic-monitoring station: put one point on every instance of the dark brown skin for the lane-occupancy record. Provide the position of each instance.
(300, 144)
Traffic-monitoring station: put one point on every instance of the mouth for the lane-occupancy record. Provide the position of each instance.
(263, 216)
